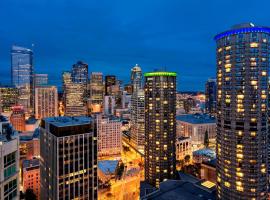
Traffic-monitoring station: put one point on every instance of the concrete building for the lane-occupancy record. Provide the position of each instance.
(109, 136)
(68, 158)
(195, 126)
(9, 161)
(183, 147)
(160, 127)
(17, 118)
(46, 102)
(242, 112)
(31, 176)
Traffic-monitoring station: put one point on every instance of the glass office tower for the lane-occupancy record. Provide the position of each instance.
(242, 112)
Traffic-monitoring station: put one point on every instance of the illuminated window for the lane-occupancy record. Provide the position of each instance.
(253, 82)
(254, 44)
(240, 174)
(240, 188)
(220, 49)
(264, 73)
(253, 119)
(239, 155)
(228, 47)
(253, 190)
(253, 133)
(228, 69)
(227, 184)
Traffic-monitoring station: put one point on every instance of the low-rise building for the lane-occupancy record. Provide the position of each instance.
(202, 155)
(196, 126)
(183, 147)
(31, 176)
(107, 169)
(17, 118)
(208, 170)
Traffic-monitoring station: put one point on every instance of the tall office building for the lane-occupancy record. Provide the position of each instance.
(137, 109)
(242, 112)
(79, 73)
(8, 98)
(9, 161)
(109, 105)
(74, 101)
(96, 92)
(17, 118)
(68, 158)
(46, 102)
(160, 126)
(22, 75)
(211, 96)
(40, 80)
(110, 80)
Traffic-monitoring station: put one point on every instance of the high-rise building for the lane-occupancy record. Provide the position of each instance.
(74, 101)
(109, 105)
(160, 126)
(40, 80)
(242, 112)
(22, 75)
(110, 80)
(211, 96)
(46, 102)
(79, 73)
(68, 158)
(8, 98)
(109, 136)
(96, 92)
(137, 109)
(9, 161)
(17, 118)
(31, 176)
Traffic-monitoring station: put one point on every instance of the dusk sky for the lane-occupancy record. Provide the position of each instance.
(112, 36)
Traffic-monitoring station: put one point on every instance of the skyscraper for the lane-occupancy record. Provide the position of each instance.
(211, 96)
(96, 92)
(242, 106)
(160, 126)
(9, 161)
(46, 102)
(74, 101)
(68, 158)
(22, 75)
(137, 109)
(110, 80)
(79, 73)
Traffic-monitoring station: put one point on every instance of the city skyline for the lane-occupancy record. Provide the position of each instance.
(113, 38)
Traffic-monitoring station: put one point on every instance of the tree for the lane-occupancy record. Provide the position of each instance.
(187, 159)
(29, 195)
(206, 139)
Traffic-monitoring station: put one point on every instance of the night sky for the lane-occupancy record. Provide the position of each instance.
(113, 35)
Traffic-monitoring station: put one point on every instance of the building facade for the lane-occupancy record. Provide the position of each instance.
(160, 127)
(46, 102)
(8, 98)
(17, 118)
(211, 96)
(183, 147)
(109, 105)
(110, 80)
(96, 88)
(22, 75)
(74, 96)
(242, 112)
(9, 161)
(109, 136)
(68, 158)
(31, 176)
(196, 126)
(40, 80)
(137, 133)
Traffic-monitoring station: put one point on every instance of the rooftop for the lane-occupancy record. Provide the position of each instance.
(68, 121)
(30, 163)
(205, 152)
(182, 190)
(243, 28)
(108, 166)
(197, 118)
(160, 74)
(3, 118)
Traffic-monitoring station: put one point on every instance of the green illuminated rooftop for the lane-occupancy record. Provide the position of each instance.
(160, 74)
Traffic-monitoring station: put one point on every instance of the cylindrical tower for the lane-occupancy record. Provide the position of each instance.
(242, 112)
